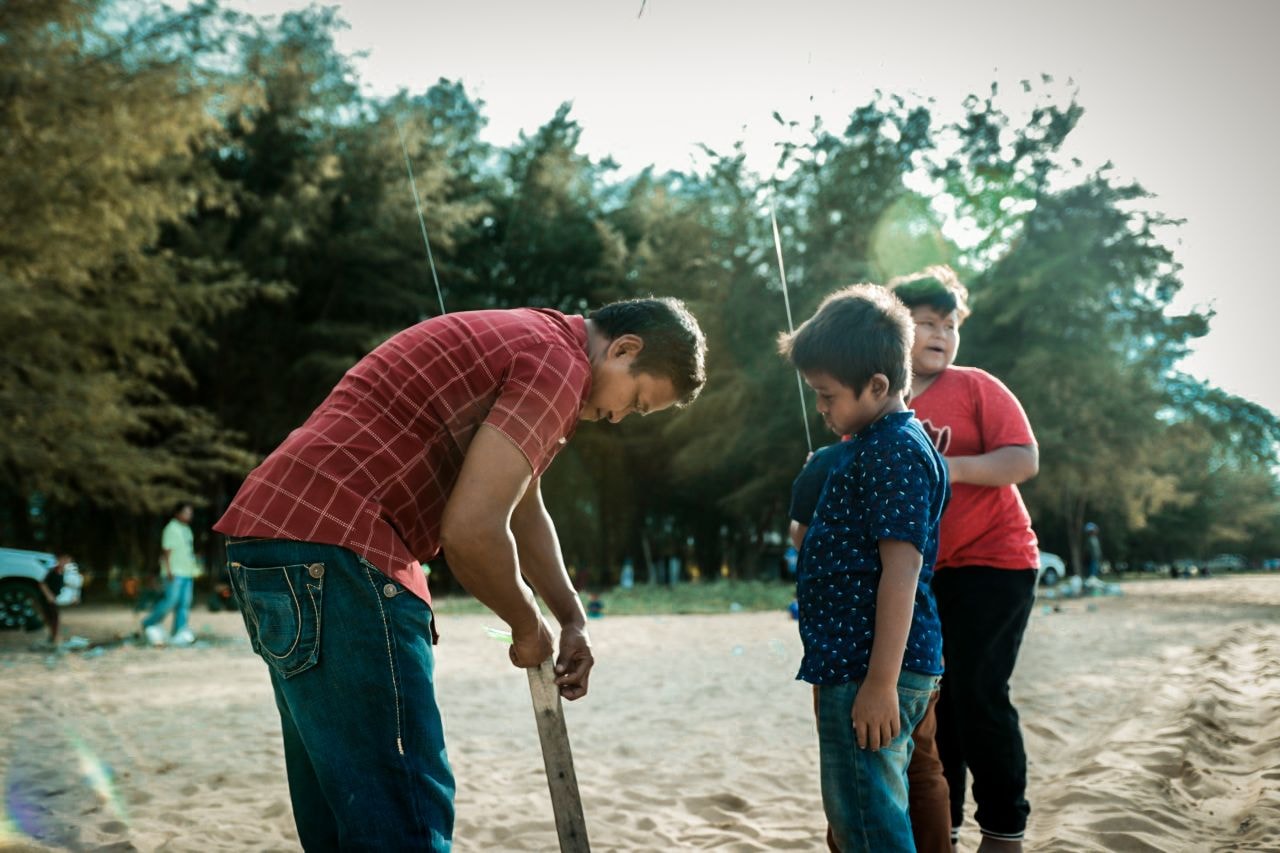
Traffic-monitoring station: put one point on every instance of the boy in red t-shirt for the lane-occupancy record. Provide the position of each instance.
(985, 580)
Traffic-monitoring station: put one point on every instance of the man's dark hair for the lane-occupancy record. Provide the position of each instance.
(179, 507)
(674, 347)
(857, 332)
(937, 287)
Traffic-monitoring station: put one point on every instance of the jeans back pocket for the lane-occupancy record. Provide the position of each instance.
(281, 606)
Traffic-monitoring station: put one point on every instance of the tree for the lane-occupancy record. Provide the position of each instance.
(102, 133)
(552, 243)
(1221, 451)
(1075, 319)
(207, 223)
(323, 208)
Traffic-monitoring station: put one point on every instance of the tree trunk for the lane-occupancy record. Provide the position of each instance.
(1075, 526)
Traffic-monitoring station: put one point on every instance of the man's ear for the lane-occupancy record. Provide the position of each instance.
(625, 345)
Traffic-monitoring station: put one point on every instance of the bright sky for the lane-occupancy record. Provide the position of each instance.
(1179, 95)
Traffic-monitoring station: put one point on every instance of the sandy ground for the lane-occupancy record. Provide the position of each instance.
(1152, 723)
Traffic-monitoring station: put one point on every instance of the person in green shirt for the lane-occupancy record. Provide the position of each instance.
(178, 568)
(1093, 552)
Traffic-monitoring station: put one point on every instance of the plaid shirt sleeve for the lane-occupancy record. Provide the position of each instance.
(540, 400)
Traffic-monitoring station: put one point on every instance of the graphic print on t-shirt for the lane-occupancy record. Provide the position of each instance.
(940, 436)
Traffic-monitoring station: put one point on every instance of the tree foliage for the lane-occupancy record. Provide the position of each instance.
(207, 221)
(102, 136)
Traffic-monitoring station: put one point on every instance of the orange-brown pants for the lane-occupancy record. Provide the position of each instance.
(927, 794)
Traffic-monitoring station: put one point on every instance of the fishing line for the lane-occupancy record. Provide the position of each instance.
(786, 300)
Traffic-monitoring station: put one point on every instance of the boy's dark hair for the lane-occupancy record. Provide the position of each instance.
(180, 506)
(937, 287)
(674, 347)
(857, 332)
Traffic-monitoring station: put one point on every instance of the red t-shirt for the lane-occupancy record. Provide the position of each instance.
(373, 466)
(968, 412)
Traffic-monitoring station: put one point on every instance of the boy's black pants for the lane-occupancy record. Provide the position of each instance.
(984, 613)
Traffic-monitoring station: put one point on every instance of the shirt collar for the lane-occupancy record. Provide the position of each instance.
(894, 418)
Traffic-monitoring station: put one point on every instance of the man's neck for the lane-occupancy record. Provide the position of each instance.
(597, 342)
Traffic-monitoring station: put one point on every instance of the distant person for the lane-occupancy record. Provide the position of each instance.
(50, 588)
(791, 556)
(929, 804)
(987, 559)
(178, 570)
(673, 570)
(1093, 553)
(868, 622)
(437, 438)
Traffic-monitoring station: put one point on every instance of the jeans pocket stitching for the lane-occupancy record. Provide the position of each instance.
(391, 663)
(314, 655)
(246, 606)
(312, 589)
(297, 608)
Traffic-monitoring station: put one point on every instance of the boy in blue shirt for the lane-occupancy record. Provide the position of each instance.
(868, 620)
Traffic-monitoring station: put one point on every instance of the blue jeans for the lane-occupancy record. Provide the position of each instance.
(349, 655)
(864, 793)
(177, 597)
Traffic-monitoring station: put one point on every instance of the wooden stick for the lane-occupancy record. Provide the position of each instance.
(571, 826)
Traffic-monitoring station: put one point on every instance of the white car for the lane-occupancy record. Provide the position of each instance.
(1052, 569)
(21, 573)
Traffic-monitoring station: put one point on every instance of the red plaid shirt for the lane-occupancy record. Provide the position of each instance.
(373, 466)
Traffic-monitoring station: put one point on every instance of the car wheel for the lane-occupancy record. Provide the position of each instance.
(1049, 576)
(20, 606)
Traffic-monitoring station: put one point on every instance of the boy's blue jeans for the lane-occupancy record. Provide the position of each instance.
(177, 597)
(350, 659)
(864, 793)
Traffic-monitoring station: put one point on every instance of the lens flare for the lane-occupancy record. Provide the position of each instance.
(907, 238)
(29, 791)
(21, 819)
(25, 817)
(98, 776)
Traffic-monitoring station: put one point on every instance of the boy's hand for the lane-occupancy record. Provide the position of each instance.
(875, 715)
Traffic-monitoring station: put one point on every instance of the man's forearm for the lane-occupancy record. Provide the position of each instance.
(484, 562)
(543, 565)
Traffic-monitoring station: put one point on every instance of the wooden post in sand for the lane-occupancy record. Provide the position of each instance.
(571, 826)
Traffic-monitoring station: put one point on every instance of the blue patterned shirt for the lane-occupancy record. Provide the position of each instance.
(889, 483)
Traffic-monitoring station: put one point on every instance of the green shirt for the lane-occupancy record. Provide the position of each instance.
(178, 541)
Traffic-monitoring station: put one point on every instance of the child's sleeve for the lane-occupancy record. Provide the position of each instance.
(895, 489)
(1003, 420)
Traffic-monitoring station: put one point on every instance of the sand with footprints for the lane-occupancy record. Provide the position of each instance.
(1152, 722)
